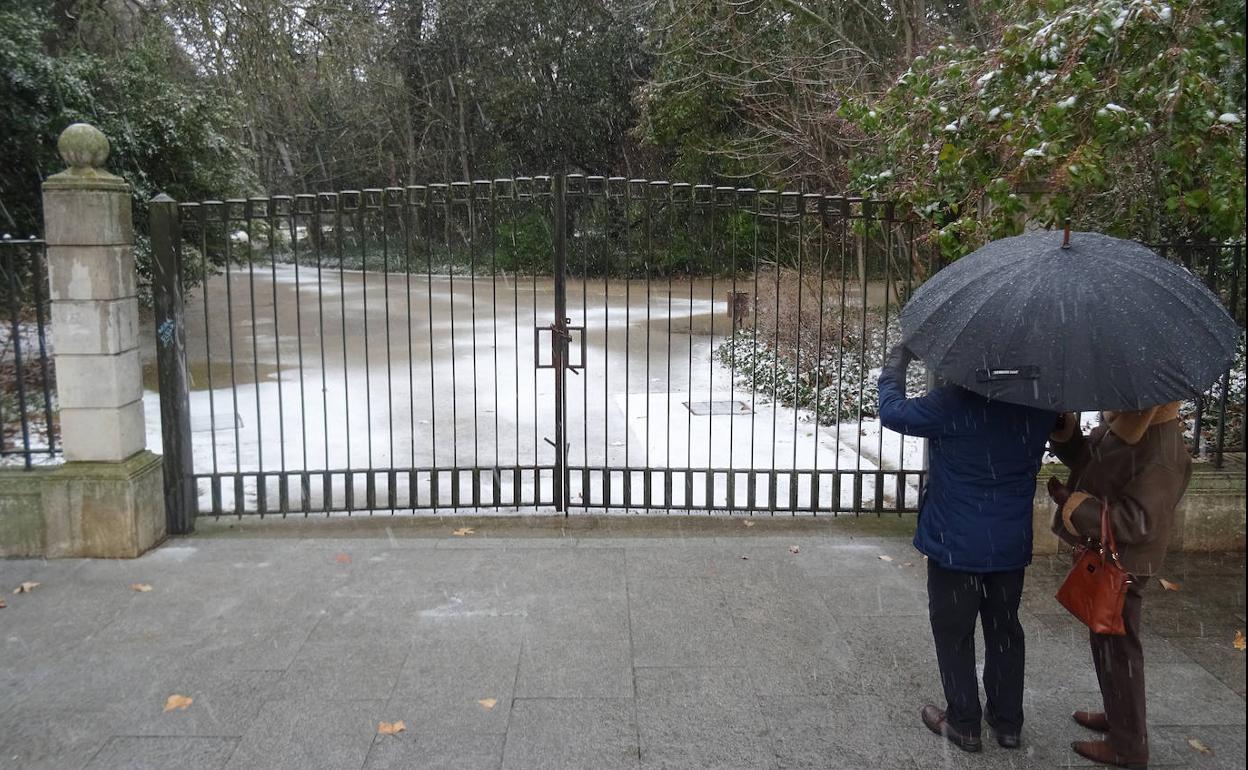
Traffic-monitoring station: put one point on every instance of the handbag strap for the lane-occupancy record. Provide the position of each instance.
(1108, 544)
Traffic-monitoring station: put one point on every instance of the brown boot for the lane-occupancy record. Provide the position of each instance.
(1093, 720)
(1102, 753)
(935, 720)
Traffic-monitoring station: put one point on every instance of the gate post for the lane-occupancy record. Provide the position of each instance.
(175, 412)
(559, 356)
(105, 501)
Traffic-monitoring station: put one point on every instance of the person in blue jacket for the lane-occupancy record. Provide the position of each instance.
(974, 527)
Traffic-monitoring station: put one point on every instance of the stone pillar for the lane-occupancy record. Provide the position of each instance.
(99, 384)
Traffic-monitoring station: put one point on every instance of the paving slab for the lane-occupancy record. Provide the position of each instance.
(161, 753)
(701, 716)
(309, 735)
(576, 668)
(572, 733)
(435, 750)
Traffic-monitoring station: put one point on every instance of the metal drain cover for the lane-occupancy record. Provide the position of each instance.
(704, 408)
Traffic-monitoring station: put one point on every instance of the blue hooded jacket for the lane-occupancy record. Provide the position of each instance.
(976, 514)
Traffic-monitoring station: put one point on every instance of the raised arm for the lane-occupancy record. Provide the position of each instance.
(1067, 441)
(924, 416)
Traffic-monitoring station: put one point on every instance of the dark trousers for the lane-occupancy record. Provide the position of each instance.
(954, 601)
(1119, 662)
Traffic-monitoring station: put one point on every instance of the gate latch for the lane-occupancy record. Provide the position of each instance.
(568, 333)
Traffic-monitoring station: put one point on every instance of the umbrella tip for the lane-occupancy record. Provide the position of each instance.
(1066, 235)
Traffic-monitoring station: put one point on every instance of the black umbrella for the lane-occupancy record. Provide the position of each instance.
(1102, 324)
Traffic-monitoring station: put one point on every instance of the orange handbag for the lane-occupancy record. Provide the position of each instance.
(1096, 587)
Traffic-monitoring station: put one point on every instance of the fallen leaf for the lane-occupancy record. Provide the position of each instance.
(488, 703)
(342, 558)
(885, 558)
(1196, 744)
(26, 588)
(463, 532)
(748, 523)
(1166, 584)
(180, 702)
(390, 728)
(1239, 642)
(140, 587)
(2, 604)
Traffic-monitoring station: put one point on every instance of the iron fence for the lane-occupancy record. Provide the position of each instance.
(28, 423)
(1217, 418)
(552, 343)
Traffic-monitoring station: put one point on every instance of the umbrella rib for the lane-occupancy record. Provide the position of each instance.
(982, 305)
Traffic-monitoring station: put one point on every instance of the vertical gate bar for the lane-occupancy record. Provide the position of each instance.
(318, 246)
(816, 487)
(537, 473)
(607, 253)
(472, 332)
(491, 209)
(667, 420)
(38, 272)
(349, 489)
(175, 409)
(627, 481)
(734, 341)
(648, 205)
(305, 481)
(886, 229)
(797, 354)
(201, 216)
(450, 276)
(712, 266)
(424, 209)
(752, 480)
(776, 209)
(842, 278)
(1220, 438)
(903, 228)
(586, 490)
(229, 316)
(560, 347)
(385, 305)
(515, 317)
(405, 225)
(863, 246)
(12, 266)
(689, 269)
(283, 487)
(249, 218)
(361, 235)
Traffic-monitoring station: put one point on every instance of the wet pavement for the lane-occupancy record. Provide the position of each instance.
(552, 643)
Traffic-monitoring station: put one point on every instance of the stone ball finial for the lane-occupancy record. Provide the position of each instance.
(83, 146)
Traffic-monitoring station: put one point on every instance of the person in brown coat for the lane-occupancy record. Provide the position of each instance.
(1138, 464)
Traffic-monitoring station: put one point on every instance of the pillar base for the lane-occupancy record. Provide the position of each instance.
(104, 510)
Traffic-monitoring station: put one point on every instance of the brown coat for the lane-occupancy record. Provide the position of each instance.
(1136, 462)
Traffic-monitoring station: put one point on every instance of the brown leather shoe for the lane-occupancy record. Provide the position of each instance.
(1102, 753)
(1093, 720)
(935, 720)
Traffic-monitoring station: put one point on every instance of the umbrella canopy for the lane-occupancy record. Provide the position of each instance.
(1103, 324)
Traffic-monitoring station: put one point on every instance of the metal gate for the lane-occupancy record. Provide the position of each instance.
(546, 343)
